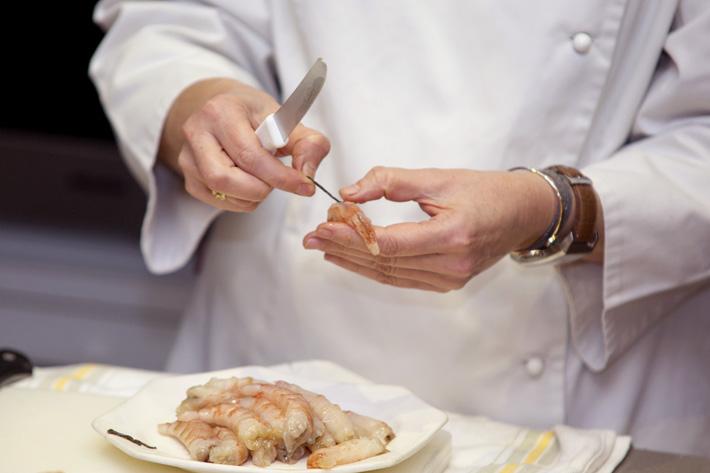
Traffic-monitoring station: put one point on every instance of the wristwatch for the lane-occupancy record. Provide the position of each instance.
(579, 218)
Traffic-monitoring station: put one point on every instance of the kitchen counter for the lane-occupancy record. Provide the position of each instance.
(46, 427)
(644, 461)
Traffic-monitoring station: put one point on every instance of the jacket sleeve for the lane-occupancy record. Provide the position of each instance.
(655, 193)
(152, 51)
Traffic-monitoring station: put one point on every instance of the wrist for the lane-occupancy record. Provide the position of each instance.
(578, 223)
(537, 208)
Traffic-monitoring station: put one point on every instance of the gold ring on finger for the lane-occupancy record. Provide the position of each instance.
(219, 195)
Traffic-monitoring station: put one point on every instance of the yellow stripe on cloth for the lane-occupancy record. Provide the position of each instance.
(82, 372)
(542, 443)
(509, 468)
(79, 374)
(61, 383)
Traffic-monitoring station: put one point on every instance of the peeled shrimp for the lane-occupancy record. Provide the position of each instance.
(371, 428)
(257, 436)
(229, 450)
(298, 427)
(347, 452)
(352, 215)
(335, 420)
(196, 436)
(215, 391)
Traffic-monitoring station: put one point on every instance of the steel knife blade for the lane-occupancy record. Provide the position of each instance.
(274, 130)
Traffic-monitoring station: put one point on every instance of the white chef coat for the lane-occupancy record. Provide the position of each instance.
(618, 88)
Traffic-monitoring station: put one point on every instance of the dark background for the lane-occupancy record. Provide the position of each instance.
(47, 46)
(73, 284)
(59, 166)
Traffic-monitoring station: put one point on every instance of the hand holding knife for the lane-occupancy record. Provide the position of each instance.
(274, 131)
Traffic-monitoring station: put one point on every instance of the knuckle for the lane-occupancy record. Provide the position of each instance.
(379, 174)
(459, 240)
(216, 180)
(386, 279)
(385, 269)
(182, 162)
(384, 260)
(464, 267)
(386, 265)
(377, 171)
(212, 109)
(188, 129)
(246, 158)
(324, 142)
(278, 181)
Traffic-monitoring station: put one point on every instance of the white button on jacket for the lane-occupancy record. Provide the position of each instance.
(446, 84)
(535, 366)
(582, 42)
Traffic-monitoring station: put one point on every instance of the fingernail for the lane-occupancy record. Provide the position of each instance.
(313, 243)
(350, 190)
(306, 189)
(309, 170)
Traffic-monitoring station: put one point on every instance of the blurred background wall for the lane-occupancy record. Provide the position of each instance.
(73, 286)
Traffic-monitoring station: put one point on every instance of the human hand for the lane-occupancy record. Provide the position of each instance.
(209, 138)
(476, 219)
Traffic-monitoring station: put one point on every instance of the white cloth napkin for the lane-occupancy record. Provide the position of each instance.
(485, 446)
(478, 445)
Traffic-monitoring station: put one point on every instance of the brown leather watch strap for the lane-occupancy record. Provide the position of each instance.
(583, 225)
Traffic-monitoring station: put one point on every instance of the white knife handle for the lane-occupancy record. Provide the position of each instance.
(270, 136)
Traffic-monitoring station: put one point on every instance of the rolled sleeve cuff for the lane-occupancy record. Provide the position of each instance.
(608, 309)
(174, 222)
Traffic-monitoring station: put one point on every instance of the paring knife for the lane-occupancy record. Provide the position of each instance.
(274, 130)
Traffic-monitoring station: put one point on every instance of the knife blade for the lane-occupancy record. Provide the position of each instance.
(273, 132)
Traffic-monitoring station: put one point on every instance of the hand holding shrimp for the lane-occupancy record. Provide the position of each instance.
(476, 219)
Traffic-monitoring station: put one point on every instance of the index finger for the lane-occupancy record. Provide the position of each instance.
(400, 239)
(307, 148)
(243, 147)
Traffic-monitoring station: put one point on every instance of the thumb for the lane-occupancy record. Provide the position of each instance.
(395, 184)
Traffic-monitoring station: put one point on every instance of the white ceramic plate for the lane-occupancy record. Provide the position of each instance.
(413, 421)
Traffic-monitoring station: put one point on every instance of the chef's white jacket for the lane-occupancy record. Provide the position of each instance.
(617, 88)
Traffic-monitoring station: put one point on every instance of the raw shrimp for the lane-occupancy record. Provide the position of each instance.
(347, 452)
(257, 436)
(371, 428)
(229, 450)
(352, 215)
(228, 420)
(274, 417)
(196, 436)
(298, 428)
(335, 420)
(215, 391)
